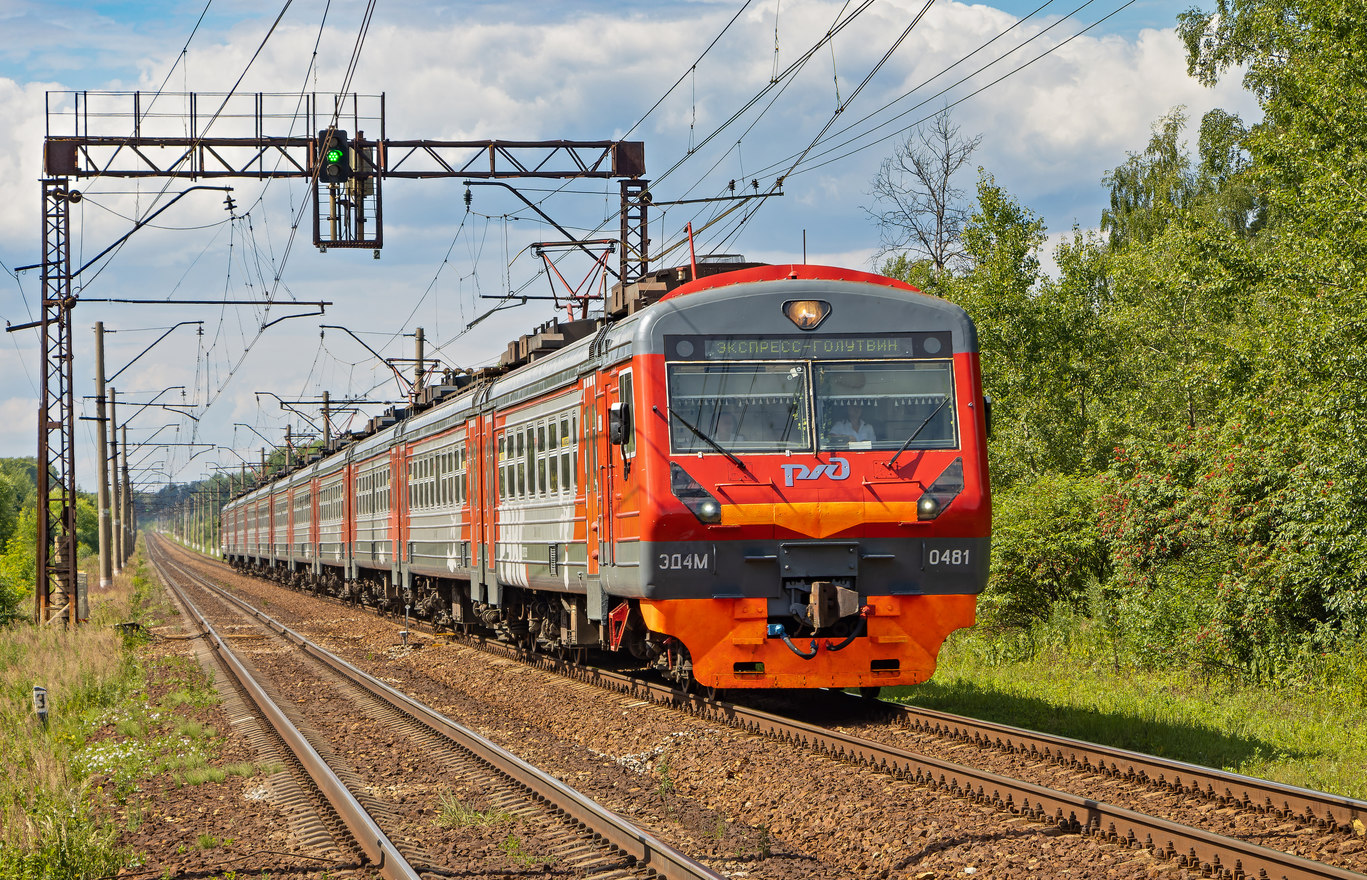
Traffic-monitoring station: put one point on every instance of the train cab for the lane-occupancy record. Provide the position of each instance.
(797, 477)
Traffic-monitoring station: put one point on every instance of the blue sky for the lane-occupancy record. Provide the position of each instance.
(569, 70)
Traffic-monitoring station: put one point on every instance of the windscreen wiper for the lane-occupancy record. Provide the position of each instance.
(704, 438)
(919, 429)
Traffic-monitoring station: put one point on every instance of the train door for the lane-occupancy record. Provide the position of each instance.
(398, 508)
(619, 518)
(486, 501)
(347, 533)
(595, 507)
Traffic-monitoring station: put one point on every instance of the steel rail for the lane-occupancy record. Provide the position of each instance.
(1194, 847)
(648, 851)
(1328, 810)
(368, 835)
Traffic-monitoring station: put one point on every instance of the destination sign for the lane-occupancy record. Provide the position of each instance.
(809, 346)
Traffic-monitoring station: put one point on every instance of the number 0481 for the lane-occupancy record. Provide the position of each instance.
(948, 557)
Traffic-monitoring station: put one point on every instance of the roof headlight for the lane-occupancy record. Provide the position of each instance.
(807, 314)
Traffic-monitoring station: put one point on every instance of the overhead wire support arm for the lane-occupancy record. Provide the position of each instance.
(404, 382)
(76, 197)
(150, 347)
(285, 405)
(573, 240)
(320, 305)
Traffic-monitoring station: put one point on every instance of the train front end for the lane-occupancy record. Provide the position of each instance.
(813, 446)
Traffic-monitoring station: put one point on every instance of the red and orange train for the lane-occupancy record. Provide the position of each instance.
(770, 477)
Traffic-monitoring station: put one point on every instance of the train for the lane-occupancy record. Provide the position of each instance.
(757, 476)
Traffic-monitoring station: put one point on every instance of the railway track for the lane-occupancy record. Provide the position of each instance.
(1329, 811)
(1211, 853)
(1195, 848)
(593, 839)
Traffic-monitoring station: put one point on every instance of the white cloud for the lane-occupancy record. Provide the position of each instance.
(19, 424)
(1049, 133)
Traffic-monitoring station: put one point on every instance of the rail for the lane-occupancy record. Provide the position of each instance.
(647, 850)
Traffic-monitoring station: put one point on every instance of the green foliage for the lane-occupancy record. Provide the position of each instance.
(1180, 456)
(70, 844)
(18, 568)
(18, 492)
(1151, 189)
(1045, 353)
(1047, 548)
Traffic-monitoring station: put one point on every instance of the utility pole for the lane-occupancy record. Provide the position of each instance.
(327, 423)
(106, 536)
(130, 537)
(419, 370)
(116, 496)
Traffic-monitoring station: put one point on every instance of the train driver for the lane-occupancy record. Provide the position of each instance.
(726, 428)
(853, 428)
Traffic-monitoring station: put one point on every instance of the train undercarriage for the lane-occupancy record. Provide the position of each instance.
(555, 624)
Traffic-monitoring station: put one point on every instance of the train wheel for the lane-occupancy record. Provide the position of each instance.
(870, 693)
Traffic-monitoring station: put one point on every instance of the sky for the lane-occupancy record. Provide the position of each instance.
(718, 91)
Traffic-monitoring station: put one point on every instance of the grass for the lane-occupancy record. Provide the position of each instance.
(49, 820)
(455, 813)
(1301, 733)
(512, 847)
(59, 784)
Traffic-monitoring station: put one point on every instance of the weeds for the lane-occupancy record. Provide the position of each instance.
(48, 826)
(763, 841)
(56, 783)
(512, 848)
(665, 787)
(455, 813)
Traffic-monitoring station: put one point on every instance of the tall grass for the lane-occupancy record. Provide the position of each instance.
(48, 823)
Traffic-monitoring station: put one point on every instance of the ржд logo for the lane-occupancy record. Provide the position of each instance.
(838, 469)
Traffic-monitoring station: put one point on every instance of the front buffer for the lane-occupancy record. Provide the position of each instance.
(732, 646)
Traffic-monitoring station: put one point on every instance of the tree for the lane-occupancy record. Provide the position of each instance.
(1001, 243)
(19, 567)
(9, 508)
(1151, 188)
(918, 208)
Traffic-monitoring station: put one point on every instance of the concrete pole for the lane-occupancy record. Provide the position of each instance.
(327, 424)
(130, 539)
(116, 495)
(102, 497)
(420, 370)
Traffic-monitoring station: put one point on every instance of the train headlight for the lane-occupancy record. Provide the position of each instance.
(807, 314)
(940, 493)
(697, 499)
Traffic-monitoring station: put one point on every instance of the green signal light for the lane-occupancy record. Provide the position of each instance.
(334, 155)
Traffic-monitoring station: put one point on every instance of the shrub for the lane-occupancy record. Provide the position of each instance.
(1047, 548)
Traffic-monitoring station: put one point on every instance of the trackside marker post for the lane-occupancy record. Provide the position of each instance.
(40, 703)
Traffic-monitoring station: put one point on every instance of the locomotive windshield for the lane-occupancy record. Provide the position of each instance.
(768, 407)
(878, 405)
(741, 407)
